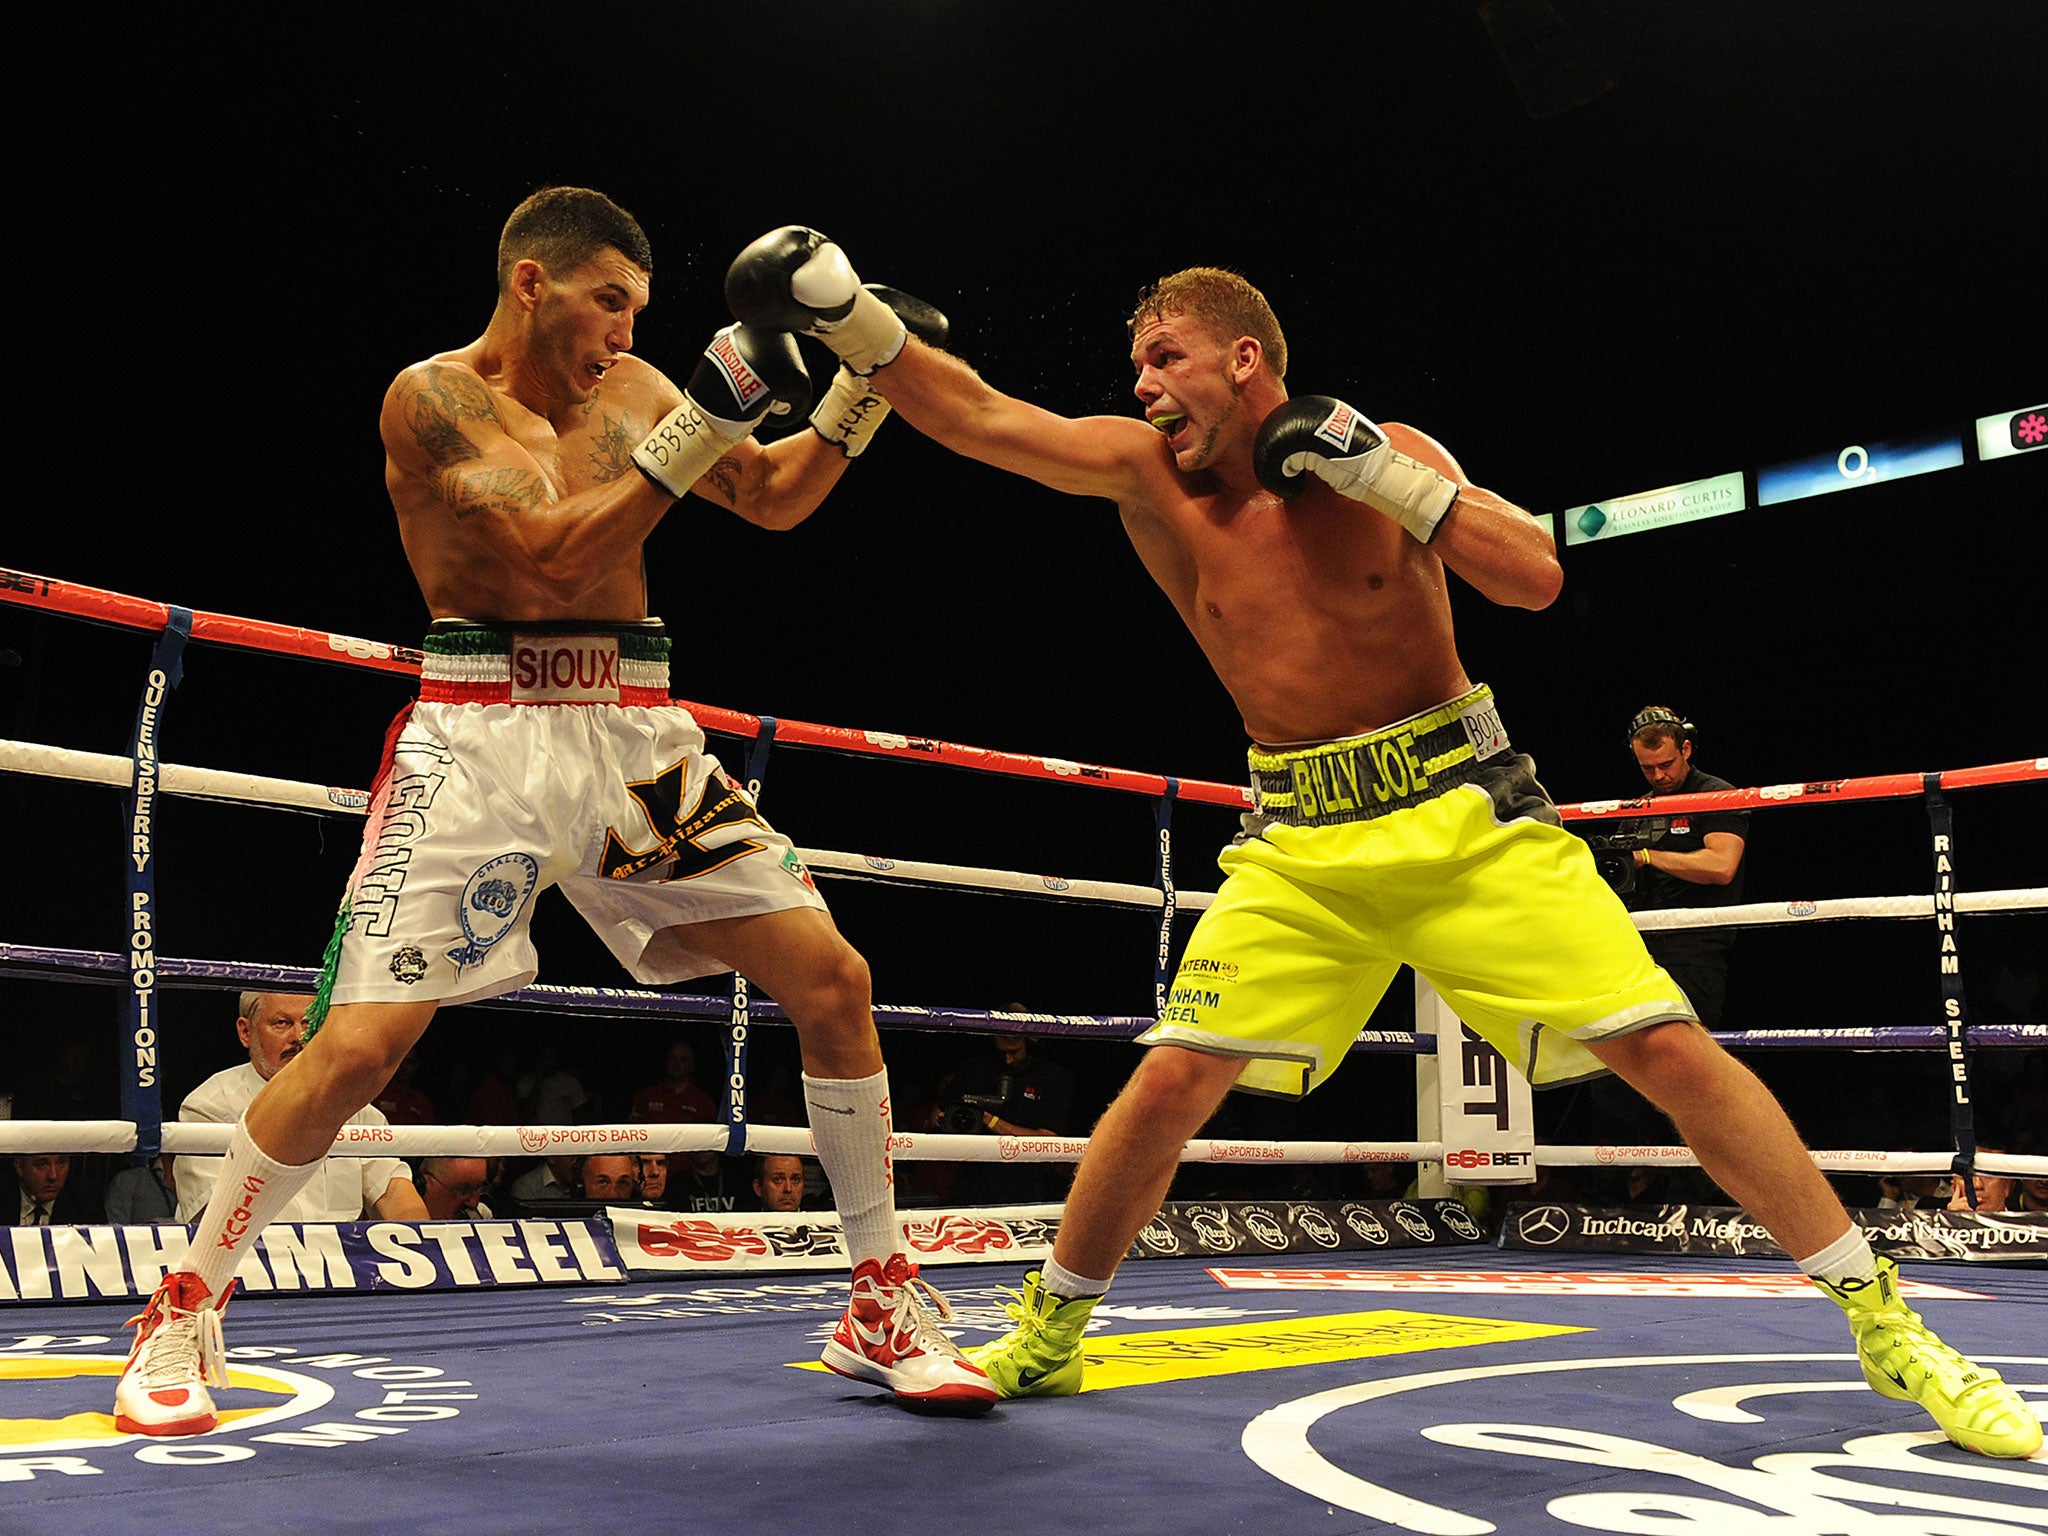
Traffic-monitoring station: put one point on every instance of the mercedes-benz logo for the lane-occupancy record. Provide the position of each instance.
(1545, 1224)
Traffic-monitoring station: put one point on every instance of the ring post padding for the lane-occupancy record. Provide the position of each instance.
(736, 1031)
(1162, 818)
(1955, 1016)
(141, 1098)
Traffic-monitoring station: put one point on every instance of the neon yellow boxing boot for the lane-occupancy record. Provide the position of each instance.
(1902, 1358)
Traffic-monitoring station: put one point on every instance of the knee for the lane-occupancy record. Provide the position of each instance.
(1668, 1063)
(838, 989)
(1174, 1086)
(352, 1064)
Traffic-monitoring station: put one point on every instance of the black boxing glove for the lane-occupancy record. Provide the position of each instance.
(744, 377)
(849, 412)
(1316, 435)
(794, 279)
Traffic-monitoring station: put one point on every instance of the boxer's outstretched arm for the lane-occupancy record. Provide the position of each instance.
(948, 401)
(777, 485)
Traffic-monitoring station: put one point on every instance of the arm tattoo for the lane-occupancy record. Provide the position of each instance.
(725, 479)
(611, 449)
(436, 408)
(503, 490)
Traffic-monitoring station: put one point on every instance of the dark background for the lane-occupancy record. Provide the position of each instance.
(1642, 245)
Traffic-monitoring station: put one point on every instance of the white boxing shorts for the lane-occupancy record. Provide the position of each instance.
(544, 755)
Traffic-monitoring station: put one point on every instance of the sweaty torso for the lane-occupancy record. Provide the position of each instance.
(1321, 616)
(474, 475)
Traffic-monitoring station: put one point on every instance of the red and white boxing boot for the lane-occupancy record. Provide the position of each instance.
(176, 1356)
(890, 1335)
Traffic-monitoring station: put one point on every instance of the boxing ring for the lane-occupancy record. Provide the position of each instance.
(1630, 1393)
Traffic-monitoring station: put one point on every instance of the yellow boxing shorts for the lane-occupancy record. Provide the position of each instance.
(1427, 843)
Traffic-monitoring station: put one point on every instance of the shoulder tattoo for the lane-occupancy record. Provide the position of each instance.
(437, 402)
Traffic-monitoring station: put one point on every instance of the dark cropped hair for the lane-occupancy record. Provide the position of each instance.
(563, 227)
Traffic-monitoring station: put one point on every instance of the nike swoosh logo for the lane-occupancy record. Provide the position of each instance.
(1028, 1379)
(834, 1109)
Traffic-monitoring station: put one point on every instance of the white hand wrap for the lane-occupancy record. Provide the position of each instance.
(871, 334)
(1405, 489)
(849, 413)
(685, 444)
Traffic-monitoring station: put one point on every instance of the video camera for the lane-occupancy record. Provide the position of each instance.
(1614, 850)
(963, 1116)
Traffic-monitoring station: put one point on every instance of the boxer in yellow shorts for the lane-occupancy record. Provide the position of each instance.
(1417, 844)
(1309, 551)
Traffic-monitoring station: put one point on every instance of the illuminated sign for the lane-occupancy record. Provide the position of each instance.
(1856, 465)
(2012, 432)
(1645, 510)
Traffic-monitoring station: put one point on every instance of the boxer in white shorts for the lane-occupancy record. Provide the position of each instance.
(544, 751)
(524, 766)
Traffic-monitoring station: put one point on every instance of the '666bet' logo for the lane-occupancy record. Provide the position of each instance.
(58, 1391)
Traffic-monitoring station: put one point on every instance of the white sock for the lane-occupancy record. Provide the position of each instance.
(247, 1197)
(1847, 1258)
(850, 1127)
(1067, 1285)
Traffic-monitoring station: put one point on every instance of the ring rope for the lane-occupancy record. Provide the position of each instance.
(96, 966)
(285, 794)
(93, 604)
(210, 1139)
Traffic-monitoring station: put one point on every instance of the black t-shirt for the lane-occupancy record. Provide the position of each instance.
(1657, 890)
(1037, 1093)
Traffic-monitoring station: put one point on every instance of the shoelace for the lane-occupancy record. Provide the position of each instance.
(922, 1325)
(183, 1345)
(1017, 1308)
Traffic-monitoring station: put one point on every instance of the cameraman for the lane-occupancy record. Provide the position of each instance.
(1693, 859)
(1007, 1091)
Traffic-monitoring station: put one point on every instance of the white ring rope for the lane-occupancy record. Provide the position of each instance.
(189, 1139)
(183, 1138)
(286, 794)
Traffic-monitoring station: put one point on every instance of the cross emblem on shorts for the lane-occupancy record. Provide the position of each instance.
(680, 835)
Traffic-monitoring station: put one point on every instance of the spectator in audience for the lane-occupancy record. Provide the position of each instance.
(43, 1198)
(707, 1184)
(454, 1187)
(779, 1182)
(1909, 1191)
(402, 1102)
(272, 1027)
(674, 1098)
(553, 1178)
(654, 1178)
(610, 1177)
(556, 1095)
(1993, 1191)
(494, 1100)
(143, 1195)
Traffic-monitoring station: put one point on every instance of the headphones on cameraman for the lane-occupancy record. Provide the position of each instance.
(1657, 714)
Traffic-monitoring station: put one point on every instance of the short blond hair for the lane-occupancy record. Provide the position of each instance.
(1221, 300)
